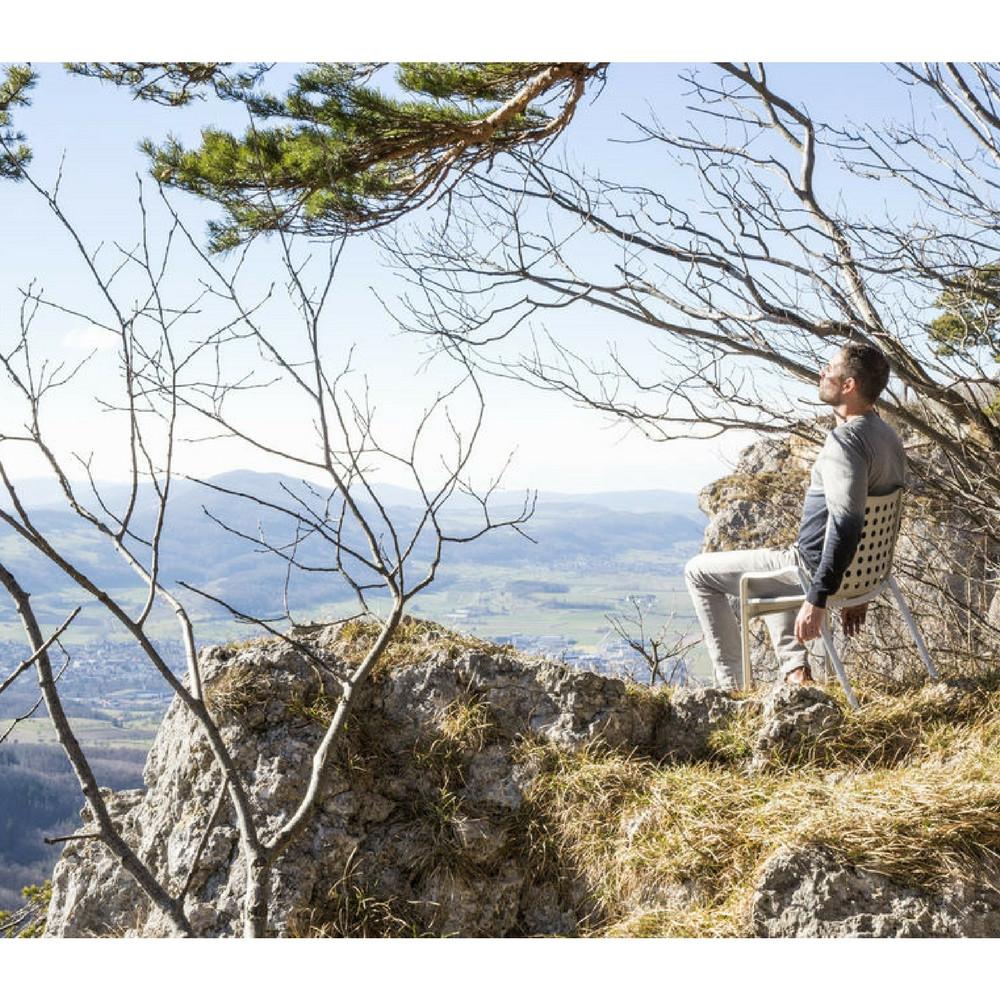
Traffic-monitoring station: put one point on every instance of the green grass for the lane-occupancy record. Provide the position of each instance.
(532, 614)
(90, 732)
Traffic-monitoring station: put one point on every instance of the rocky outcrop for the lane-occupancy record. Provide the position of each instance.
(759, 504)
(793, 718)
(804, 892)
(423, 824)
(431, 821)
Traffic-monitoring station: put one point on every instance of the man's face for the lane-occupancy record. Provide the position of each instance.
(831, 381)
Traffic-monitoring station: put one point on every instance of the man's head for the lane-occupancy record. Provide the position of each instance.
(855, 376)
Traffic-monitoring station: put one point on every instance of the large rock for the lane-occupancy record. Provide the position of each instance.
(422, 822)
(795, 718)
(806, 893)
(759, 504)
(693, 715)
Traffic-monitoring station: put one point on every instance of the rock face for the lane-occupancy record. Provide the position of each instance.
(805, 893)
(760, 503)
(423, 822)
(793, 716)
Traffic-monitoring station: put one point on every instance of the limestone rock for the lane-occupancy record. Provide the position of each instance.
(793, 716)
(806, 893)
(695, 713)
(418, 828)
(759, 504)
(546, 912)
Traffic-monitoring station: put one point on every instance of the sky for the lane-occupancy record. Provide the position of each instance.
(88, 133)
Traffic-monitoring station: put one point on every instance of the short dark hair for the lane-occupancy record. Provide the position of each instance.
(869, 368)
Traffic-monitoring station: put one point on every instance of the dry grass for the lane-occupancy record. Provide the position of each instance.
(463, 729)
(894, 729)
(319, 710)
(354, 908)
(413, 640)
(908, 787)
(237, 689)
(466, 724)
(896, 724)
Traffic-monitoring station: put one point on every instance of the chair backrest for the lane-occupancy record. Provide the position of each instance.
(872, 563)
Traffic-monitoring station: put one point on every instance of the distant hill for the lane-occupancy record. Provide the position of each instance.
(590, 532)
(634, 502)
(40, 493)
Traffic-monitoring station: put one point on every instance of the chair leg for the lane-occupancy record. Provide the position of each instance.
(745, 636)
(904, 610)
(838, 665)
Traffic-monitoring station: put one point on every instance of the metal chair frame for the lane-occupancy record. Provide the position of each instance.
(868, 576)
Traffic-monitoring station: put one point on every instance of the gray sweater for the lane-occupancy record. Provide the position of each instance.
(861, 457)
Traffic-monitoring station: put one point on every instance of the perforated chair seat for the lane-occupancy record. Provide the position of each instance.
(867, 576)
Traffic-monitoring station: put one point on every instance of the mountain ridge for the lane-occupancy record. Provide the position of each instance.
(43, 493)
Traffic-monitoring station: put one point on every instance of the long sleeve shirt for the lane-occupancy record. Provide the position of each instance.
(861, 457)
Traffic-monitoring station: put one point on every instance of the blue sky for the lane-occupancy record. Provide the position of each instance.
(93, 130)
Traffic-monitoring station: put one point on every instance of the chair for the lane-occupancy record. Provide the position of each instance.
(869, 574)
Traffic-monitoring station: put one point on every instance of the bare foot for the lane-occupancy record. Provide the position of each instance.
(799, 676)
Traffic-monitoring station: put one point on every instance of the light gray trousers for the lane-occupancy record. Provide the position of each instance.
(713, 577)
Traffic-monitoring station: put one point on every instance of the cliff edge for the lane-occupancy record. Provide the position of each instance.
(477, 793)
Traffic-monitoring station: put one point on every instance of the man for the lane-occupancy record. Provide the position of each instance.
(861, 456)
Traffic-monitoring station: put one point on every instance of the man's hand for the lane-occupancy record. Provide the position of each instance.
(853, 618)
(809, 621)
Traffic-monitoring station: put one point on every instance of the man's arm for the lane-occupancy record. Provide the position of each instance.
(809, 622)
(845, 485)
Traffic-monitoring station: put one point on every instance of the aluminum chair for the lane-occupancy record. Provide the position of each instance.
(869, 574)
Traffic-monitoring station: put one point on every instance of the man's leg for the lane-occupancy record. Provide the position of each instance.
(713, 577)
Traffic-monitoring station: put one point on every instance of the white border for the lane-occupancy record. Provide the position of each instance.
(642, 30)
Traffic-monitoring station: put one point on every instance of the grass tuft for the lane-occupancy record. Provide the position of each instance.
(238, 689)
(413, 640)
(907, 787)
(355, 908)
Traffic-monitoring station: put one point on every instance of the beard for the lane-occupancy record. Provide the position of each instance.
(829, 393)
